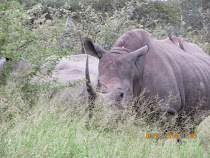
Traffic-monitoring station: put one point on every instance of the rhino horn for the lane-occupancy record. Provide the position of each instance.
(90, 89)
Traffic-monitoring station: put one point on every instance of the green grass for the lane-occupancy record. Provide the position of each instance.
(59, 129)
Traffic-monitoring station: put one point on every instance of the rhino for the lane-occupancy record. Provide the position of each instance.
(137, 62)
(19, 67)
(67, 69)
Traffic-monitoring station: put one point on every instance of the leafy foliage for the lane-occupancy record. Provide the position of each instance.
(31, 31)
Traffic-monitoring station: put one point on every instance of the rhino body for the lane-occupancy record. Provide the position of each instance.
(68, 69)
(137, 62)
(71, 69)
(19, 67)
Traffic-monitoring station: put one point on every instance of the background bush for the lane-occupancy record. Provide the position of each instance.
(34, 125)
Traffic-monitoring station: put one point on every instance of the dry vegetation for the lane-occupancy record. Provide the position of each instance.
(33, 124)
(52, 128)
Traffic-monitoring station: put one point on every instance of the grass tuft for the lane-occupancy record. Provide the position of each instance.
(52, 128)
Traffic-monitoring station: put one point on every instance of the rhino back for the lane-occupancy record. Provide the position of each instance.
(185, 74)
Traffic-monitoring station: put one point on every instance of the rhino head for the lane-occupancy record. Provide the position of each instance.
(118, 78)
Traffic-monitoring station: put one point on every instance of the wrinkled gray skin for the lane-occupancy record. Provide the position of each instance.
(137, 61)
(71, 68)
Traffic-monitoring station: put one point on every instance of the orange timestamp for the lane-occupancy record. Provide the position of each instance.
(170, 135)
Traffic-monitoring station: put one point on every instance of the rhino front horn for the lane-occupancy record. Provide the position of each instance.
(90, 89)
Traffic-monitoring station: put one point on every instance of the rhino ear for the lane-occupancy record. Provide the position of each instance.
(93, 49)
(134, 56)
